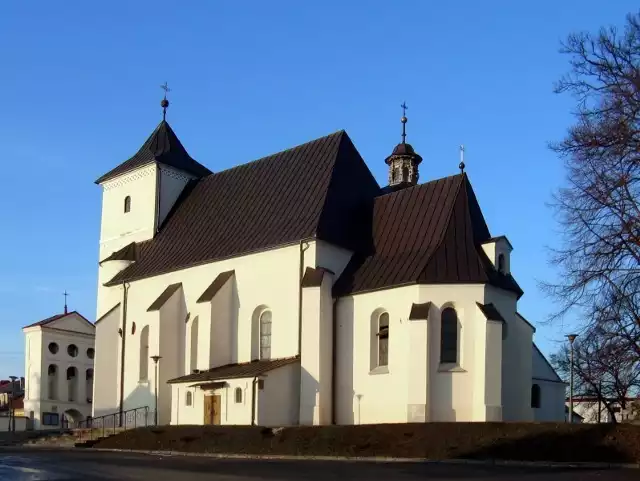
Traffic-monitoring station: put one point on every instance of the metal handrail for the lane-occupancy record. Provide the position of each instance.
(113, 422)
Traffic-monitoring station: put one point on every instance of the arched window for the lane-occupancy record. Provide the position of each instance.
(449, 336)
(535, 396)
(127, 204)
(72, 384)
(52, 378)
(383, 339)
(144, 354)
(238, 393)
(194, 344)
(89, 384)
(72, 350)
(405, 174)
(188, 399)
(265, 335)
(501, 266)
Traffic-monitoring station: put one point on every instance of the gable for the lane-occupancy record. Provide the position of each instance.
(541, 368)
(72, 322)
(301, 193)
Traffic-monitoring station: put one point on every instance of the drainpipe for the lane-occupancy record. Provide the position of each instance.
(334, 364)
(300, 275)
(125, 287)
(253, 401)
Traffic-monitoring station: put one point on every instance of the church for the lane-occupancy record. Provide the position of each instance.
(296, 290)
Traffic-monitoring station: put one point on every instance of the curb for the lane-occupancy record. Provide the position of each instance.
(372, 459)
(379, 459)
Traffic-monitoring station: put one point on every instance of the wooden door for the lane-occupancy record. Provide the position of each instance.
(212, 408)
(217, 405)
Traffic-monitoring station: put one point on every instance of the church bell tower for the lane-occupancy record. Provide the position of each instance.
(403, 161)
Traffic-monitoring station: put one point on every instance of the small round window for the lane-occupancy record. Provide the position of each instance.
(91, 353)
(72, 350)
(53, 348)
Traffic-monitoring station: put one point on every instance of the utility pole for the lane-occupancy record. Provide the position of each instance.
(12, 413)
(156, 358)
(571, 337)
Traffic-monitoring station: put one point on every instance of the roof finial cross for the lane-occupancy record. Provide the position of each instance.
(164, 103)
(65, 294)
(404, 121)
(461, 165)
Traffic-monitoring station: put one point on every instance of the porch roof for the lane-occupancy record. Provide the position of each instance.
(236, 371)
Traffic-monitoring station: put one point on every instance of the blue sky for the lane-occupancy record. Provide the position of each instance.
(79, 94)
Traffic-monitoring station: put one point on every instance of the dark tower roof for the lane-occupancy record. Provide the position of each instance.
(404, 149)
(164, 147)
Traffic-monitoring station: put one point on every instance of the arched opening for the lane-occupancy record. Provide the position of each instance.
(71, 418)
(501, 266)
(144, 354)
(265, 335)
(238, 395)
(188, 399)
(382, 335)
(194, 344)
(89, 385)
(72, 384)
(127, 204)
(535, 396)
(405, 174)
(52, 384)
(449, 336)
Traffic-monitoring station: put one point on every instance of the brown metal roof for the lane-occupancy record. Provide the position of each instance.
(220, 280)
(420, 311)
(162, 146)
(428, 234)
(320, 189)
(313, 276)
(127, 253)
(491, 312)
(237, 371)
(164, 297)
(51, 319)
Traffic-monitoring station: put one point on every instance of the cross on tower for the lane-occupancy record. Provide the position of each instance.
(404, 121)
(65, 294)
(164, 103)
(404, 109)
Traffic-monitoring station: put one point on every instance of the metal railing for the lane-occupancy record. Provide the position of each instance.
(101, 426)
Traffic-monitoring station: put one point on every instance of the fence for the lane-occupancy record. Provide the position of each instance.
(102, 426)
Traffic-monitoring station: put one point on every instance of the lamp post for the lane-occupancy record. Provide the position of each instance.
(12, 413)
(571, 337)
(156, 358)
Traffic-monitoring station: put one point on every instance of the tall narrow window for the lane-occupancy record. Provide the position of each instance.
(449, 336)
(405, 174)
(89, 385)
(194, 344)
(383, 339)
(265, 335)
(144, 354)
(188, 399)
(52, 377)
(535, 396)
(501, 266)
(238, 394)
(127, 204)
(72, 384)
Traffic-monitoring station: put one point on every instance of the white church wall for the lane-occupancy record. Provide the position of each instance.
(552, 390)
(119, 228)
(107, 365)
(268, 279)
(517, 358)
(278, 400)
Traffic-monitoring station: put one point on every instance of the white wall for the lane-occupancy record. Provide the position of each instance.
(106, 386)
(517, 357)
(551, 402)
(172, 182)
(278, 400)
(21, 424)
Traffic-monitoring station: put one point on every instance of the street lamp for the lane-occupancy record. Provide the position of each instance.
(571, 337)
(12, 413)
(156, 358)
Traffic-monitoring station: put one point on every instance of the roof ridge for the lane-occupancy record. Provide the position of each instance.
(407, 189)
(280, 152)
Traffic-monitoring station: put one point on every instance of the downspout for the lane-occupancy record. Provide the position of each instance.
(253, 401)
(334, 364)
(125, 287)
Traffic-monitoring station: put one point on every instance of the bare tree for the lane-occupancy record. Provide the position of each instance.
(604, 369)
(599, 209)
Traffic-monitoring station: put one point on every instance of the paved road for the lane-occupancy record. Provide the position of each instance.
(45, 465)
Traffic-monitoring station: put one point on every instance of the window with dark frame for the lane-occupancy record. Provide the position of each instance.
(449, 336)
(72, 350)
(265, 335)
(127, 204)
(50, 419)
(238, 394)
(383, 339)
(53, 348)
(188, 399)
(501, 267)
(535, 396)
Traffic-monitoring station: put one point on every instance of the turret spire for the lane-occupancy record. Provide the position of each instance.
(404, 121)
(164, 103)
(403, 161)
